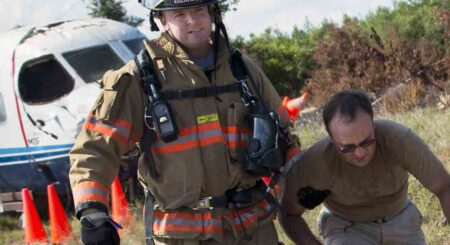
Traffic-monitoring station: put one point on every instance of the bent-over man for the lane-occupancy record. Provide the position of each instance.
(361, 170)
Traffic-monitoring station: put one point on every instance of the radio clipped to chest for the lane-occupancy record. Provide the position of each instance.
(158, 114)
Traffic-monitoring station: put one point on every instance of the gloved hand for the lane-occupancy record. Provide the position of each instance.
(99, 229)
(310, 198)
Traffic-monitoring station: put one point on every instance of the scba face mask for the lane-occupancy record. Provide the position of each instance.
(264, 153)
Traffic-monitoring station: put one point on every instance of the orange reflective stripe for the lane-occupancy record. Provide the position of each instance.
(235, 130)
(90, 191)
(292, 152)
(105, 131)
(247, 217)
(91, 197)
(188, 229)
(197, 136)
(123, 124)
(203, 135)
(118, 130)
(188, 145)
(240, 222)
(199, 128)
(134, 138)
(205, 223)
(181, 222)
(236, 137)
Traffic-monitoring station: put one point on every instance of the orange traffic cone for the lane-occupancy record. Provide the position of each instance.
(59, 226)
(119, 205)
(34, 230)
(295, 106)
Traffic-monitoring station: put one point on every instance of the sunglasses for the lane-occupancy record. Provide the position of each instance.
(352, 147)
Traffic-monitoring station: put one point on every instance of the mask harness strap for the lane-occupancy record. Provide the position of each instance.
(242, 74)
(146, 74)
(218, 27)
(153, 25)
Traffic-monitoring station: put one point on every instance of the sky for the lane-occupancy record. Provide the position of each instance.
(252, 16)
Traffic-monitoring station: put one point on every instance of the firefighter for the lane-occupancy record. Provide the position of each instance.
(207, 135)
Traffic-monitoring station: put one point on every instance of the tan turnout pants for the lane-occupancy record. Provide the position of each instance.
(263, 235)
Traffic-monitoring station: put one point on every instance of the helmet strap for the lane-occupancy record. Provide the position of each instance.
(218, 27)
(153, 25)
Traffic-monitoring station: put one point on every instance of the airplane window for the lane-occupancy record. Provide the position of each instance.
(2, 109)
(92, 63)
(44, 80)
(135, 45)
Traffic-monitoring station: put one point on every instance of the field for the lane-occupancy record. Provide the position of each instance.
(430, 123)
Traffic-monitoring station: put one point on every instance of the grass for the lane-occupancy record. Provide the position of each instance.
(431, 124)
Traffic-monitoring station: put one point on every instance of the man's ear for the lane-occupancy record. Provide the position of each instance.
(162, 22)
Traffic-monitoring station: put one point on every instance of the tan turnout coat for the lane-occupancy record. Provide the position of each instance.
(205, 159)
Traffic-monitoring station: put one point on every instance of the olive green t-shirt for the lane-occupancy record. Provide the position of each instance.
(379, 189)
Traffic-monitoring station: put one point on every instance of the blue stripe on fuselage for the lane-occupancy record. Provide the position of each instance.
(32, 148)
(35, 156)
(33, 152)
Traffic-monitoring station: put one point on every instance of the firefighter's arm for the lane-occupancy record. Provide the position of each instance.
(112, 126)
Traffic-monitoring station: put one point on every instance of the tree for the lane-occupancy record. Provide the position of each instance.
(285, 58)
(112, 9)
(227, 5)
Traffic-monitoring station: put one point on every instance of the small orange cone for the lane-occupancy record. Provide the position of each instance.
(295, 106)
(34, 230)
(119, 205)
(59, 226)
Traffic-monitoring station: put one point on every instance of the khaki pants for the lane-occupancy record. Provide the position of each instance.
(263, 235)
(402, 229)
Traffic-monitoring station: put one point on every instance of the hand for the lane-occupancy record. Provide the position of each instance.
(310, 198)
(99, 229)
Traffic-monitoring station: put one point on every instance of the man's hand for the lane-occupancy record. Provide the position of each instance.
(99, 229)
(310, 198)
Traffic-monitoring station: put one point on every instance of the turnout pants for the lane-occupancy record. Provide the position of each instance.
(265, 234)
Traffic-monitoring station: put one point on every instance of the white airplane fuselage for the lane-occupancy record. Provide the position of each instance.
(48, 82)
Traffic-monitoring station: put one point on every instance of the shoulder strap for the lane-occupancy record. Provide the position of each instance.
(146, 71)
(149, 77)
(241, 73)
(210, 91)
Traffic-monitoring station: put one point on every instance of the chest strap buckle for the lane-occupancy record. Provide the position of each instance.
(204, 204)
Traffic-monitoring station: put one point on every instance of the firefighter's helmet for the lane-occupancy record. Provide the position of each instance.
(160, 5)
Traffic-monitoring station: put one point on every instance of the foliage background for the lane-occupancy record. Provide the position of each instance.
(400, 50)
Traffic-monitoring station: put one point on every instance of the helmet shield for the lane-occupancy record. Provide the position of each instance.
(160, 5)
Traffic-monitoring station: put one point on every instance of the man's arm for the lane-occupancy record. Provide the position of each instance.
(441, 189)
(294, 225)
(420, 161)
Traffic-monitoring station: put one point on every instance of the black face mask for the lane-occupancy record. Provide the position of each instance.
(264, 153)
